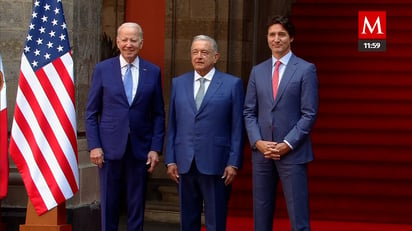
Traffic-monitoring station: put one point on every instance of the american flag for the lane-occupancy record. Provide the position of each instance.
(43, 140)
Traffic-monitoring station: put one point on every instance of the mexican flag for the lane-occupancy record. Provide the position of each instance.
(4, 159)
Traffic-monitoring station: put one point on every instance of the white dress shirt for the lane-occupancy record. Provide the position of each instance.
(196, 82)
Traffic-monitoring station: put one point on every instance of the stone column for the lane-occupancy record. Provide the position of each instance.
(84, 20)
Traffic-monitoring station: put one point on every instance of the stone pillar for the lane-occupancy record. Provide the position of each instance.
(84, 20)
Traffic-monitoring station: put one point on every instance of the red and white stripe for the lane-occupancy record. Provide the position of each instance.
(43, 140)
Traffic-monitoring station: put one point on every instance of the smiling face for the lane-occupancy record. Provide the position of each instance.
(279, 40)
(129, 41)
(203, 56)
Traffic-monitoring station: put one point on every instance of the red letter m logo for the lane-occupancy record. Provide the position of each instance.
(372, 25)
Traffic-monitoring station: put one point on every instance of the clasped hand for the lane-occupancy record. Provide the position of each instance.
(272, 150)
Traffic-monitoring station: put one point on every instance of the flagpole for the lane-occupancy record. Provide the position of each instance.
(53, 220)
(3, 227)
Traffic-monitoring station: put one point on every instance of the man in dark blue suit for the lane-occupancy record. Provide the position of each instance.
(125, 131)
(205, 137)
(279, 118)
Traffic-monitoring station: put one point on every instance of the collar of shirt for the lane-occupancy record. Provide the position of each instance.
(284, 60)
(135, 69)
(208, 76)
(123, 63)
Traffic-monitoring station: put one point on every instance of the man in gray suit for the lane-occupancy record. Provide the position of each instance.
(281, 106)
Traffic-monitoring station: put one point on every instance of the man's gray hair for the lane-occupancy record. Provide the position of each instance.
(134, 25)
(206, 38)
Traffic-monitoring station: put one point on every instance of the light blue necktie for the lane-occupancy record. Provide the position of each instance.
(128, 83)
(200, 93)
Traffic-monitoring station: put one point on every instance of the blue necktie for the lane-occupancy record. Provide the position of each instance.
(128, 83)
(200, 93)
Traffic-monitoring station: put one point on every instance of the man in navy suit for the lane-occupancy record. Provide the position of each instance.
(125, 138)
(278, 120)
(205, 138)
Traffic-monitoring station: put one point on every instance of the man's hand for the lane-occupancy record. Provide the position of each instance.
(173, 173)
(277, 152)
(97, 157)
(268, 148)
(282, 149)
(152, 160)
(229, 174)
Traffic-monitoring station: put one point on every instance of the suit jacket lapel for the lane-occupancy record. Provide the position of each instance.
(118, 81)
(189, 90)
(287, 76)
(142, 80)
(267, 78)
(211, 90)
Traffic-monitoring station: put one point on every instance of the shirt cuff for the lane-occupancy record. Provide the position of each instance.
(290, 146)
